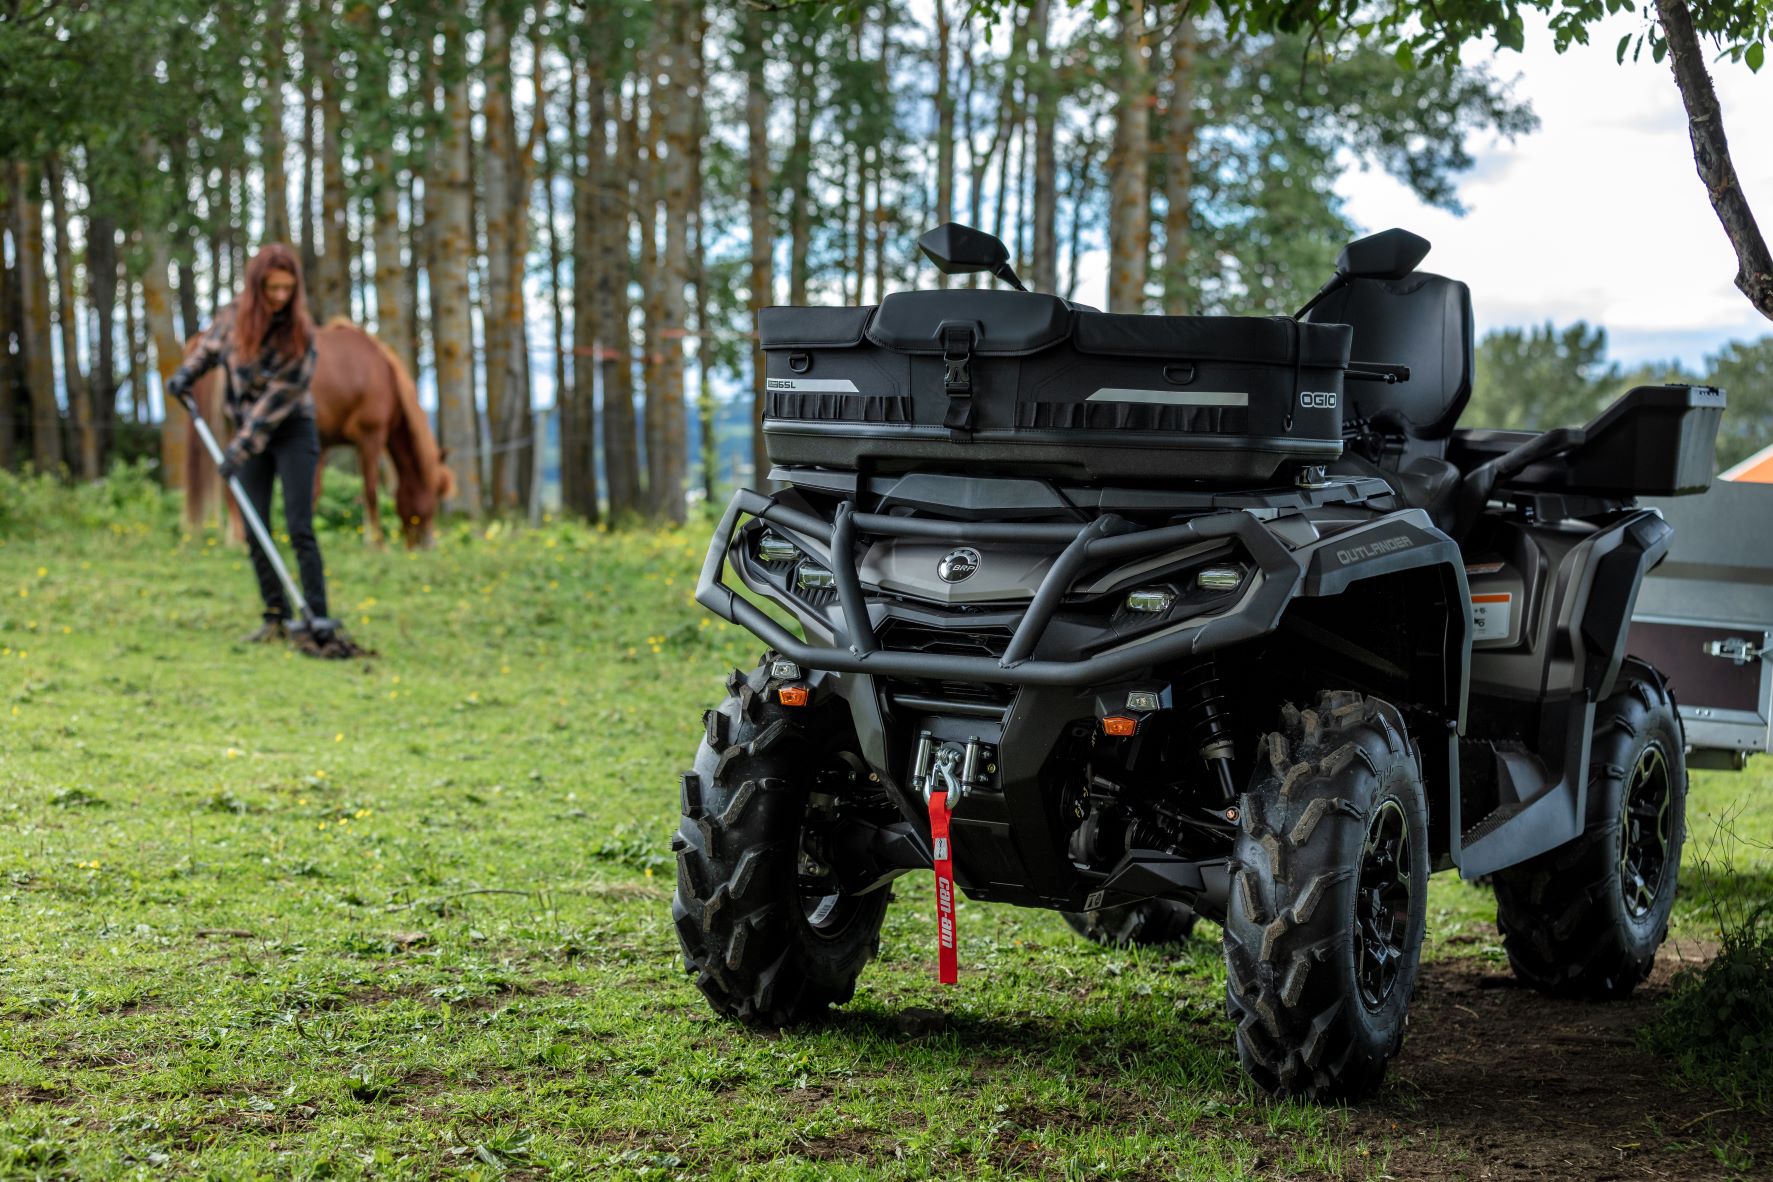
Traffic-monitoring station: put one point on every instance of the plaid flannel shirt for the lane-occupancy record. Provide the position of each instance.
(261, 391)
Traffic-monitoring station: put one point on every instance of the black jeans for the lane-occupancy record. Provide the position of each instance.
(291, 457)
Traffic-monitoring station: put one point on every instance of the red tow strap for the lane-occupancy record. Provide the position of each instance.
(947, 957)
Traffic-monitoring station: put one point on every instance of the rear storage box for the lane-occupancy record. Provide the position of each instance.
(1653, 441)
(1026, 381)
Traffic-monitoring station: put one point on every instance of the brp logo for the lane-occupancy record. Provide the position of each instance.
(958, 564)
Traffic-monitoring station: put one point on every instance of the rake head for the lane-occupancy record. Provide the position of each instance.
(325, 640)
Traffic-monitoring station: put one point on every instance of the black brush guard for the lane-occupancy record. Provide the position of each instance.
(1108, 537)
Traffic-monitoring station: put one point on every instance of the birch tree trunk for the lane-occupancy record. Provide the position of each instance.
(650, 188)
(882, 158)
(426, 169)
(1005, 150)
(1043, 262)
(697, 255)
(101, 270)
(169, 351)
(679, 189)
(858, 164)
(33, 288)
(414, 237)
(578, 433)
(944, 126)
(496, 195)
(383, 268)
(334, 286)
(190, 319)
(514, 323)
(393, 310)
(621, 459)
(11, 331)
(1080, 189)
(135, 336)
(305, 220)
(222, 240)
(564, 399)
(709, 452)
(272, 145)
(757, 200)
(1179, 130)
(68, 314)
(799, 170)
(452, 329)
(217, 246)
(1129, 214)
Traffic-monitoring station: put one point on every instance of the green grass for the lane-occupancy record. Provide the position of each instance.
(248, 920)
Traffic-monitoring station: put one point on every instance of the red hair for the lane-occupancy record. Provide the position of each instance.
(252, 319)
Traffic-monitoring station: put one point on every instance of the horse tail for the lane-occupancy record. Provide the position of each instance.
(418, 426)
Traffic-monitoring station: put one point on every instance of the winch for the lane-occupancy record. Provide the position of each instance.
(951, 765)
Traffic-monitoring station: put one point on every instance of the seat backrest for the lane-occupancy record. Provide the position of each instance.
(1422, 321)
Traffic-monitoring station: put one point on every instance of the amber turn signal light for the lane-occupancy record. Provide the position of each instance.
(1119, 726)
(794, 695)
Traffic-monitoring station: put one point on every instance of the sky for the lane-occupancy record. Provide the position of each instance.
(1599, 215)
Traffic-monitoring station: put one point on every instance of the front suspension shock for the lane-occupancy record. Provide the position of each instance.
(1200, 700)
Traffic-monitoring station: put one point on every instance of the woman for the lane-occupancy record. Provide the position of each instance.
(265, 343)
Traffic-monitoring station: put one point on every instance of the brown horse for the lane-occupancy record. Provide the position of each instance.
(364, 397)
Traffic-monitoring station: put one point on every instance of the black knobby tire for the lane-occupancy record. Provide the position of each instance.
(1323, 935)
(763, 947)
(1148, 923)
(1585, 920)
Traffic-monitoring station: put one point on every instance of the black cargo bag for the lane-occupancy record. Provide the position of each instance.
(1027, 383)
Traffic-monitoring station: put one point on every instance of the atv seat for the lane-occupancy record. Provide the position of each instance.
(1421, 321)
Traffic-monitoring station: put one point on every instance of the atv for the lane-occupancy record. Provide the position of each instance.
(1150, 618)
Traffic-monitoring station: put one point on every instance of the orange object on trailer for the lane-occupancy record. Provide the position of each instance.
(1757, 469)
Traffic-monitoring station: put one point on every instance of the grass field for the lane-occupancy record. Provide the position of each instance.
(264, 916)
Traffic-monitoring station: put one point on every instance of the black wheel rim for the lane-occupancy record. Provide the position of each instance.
(1644, 831)
(1384, 905)
(826, 911)
(826, 915)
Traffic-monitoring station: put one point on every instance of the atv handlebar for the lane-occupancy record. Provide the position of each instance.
(1106, 538)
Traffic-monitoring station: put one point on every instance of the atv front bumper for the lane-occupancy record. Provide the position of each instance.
(1106, 539)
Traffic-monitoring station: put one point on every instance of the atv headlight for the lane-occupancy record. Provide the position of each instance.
(1153, 600)
(1219, 578)
(772, 549)
(809, 577)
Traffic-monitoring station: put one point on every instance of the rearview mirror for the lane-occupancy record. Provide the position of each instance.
(961, 250)
(1389, 254)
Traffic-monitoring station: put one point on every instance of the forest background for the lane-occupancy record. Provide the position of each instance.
(579, 204)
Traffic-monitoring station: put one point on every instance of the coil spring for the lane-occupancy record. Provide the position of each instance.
(1200, 699)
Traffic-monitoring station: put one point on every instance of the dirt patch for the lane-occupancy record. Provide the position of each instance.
(1496, 1082)
(17, 1094)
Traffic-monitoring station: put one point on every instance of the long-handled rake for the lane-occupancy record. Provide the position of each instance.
(317, 636)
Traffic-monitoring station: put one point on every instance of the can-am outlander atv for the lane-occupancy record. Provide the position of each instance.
(1147, 617)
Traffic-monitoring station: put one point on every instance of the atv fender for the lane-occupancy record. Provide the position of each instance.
(1359, 584)
(1572, 662)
